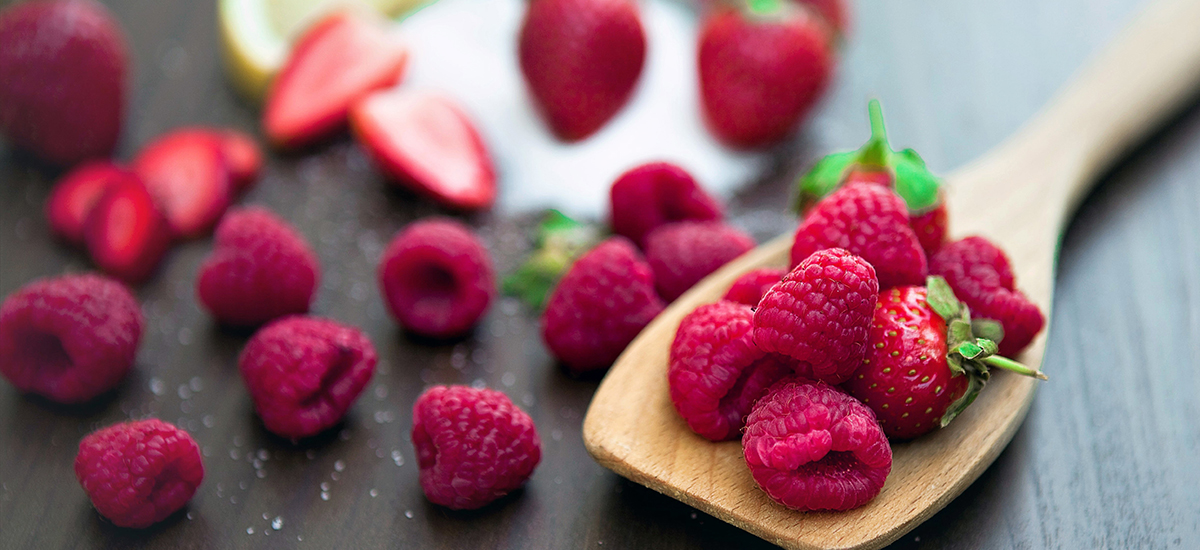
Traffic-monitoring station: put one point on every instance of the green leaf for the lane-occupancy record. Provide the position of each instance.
(822, 179)
(941, 298)
(955, 362)
(974, 386)
(969, 350)
(987, 328)
(558, 242)
(958, 332)
(765, 7)
(919, 188)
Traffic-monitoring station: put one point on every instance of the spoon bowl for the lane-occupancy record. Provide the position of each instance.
(1020, 196)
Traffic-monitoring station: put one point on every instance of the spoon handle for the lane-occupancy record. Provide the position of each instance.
(1147, 74)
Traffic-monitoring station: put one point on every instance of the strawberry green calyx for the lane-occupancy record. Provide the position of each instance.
(919, 188)
(558, 242)
(765, 8)
(967, 352)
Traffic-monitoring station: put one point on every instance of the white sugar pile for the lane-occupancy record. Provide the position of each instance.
(467, 49)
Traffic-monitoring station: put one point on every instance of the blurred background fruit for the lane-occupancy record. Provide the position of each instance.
(63, 79)
(256, 34)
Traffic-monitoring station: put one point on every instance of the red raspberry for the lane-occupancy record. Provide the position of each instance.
(750, 287)
(981, 277)
(303, 373)
(138, 473)
(812, 447)
(820, 314)
(260, 269)
(716, 373)
(437, 278)
(683, 253)
(473, 445)
(69, 338)
(655, 194)
(599, 306)
(869, 221)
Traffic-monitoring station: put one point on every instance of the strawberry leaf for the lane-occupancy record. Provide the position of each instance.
(987, 328)
(911, 179)
(975, 384)
(942, 299)
(920, 189)
(558, 242)
(822, 179)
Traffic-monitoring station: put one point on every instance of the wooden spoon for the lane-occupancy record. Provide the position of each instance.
(1021, 196)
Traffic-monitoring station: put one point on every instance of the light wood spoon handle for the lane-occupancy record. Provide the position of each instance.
(1125, 92)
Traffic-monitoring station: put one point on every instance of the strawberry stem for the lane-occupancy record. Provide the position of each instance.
(876, 152)
(1010, 365)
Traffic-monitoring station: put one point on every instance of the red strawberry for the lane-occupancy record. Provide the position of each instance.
(76, 193)
(186, 173)
(243, 158)
(581, 59)
(875, 162)
(336, 62)
(126, 234)
(920, 371)
(427, 143)
(931, 227)
(63, 68)
(869, 221)
(761, 71)
(979, 272)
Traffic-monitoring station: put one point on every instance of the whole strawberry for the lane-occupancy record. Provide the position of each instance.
(925, 363)
(875, 162)
(581, 59)
(63, 69)
(870, 221)
(762, 67)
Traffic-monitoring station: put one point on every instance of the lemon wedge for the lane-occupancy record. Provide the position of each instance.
(256, 34)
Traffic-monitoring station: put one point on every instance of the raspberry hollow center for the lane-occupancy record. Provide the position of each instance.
(835, 465)
(45, 352)
(434, 283)
(334, 382)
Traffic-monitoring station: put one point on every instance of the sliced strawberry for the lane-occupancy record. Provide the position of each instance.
(243, 158)
(338, 61)
(185, 171)
(126, 234)
(428, 144)
(76, 193)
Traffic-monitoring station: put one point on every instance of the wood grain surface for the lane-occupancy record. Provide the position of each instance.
(1105, 459)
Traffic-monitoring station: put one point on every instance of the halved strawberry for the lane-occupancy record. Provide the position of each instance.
(428, 144)
(186, 173)
(337, 61)
(126, 234)
(76, 193)
(243, 158)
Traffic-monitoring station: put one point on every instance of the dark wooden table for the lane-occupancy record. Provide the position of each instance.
(1107, 458)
